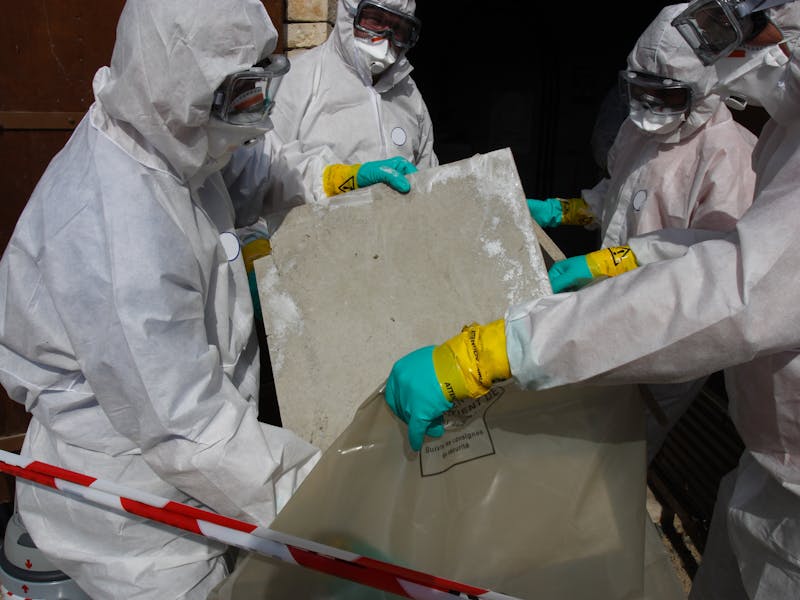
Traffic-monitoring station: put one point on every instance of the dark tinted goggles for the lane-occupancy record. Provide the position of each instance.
(660, 95)
(375, 19)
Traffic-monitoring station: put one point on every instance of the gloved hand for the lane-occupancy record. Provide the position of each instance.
(552, 212)
(253, 248)
(337, 179)
(576, 271)
(423, 384)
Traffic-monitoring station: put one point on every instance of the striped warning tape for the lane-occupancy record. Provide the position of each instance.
(387, 577)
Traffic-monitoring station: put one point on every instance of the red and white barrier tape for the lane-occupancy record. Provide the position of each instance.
(377, 574)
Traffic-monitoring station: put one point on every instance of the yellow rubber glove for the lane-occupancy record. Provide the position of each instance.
(611, 261)
(467, 364)
(575, 211)
(254, 250)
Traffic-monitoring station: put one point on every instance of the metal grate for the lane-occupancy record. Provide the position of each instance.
(685, 474)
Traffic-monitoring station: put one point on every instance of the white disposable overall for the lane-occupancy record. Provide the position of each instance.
(328, 110)
(729, 302)
(698, 176)
(127, 325)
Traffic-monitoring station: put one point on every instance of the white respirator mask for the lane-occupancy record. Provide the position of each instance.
(657, 124)
(750, 75)
(378, 56)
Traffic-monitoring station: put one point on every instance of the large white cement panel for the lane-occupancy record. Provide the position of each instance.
(353, 285)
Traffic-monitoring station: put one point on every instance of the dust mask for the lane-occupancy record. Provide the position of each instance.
(378, 56)
(650, 122)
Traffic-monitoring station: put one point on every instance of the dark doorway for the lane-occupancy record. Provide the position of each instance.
(530, 77)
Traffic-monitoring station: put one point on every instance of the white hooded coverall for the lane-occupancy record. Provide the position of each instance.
(696, 177)
(730, 302)
(327, 110)
(127, 324)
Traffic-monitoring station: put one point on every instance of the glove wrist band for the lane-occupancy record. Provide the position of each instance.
(575, 211)
(468, 364)
(337, 179)
(611, 261)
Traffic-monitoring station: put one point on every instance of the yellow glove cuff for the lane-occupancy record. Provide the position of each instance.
(468, 364)
(575, 211)
(611, 261)
(254, 250)
(337, 179)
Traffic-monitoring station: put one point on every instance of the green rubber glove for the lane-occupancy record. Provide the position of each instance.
(547, 212)
(390, 171)
(423, 384)
(338, 178)
(415, 396)
(576, 271)
(570, 274)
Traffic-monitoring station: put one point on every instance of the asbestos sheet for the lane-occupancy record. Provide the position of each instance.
(353, 285)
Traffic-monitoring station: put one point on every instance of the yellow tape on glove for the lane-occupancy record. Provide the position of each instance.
(468, 364)
(254, 250)
(575, 211)
(611, 261)
(337, 179)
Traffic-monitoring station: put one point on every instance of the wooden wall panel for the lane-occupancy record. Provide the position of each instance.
(49, 53)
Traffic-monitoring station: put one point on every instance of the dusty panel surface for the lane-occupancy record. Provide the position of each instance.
(353, 285)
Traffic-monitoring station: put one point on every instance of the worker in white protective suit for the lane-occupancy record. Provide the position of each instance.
(127, 326)
(728, 301)
(350, 99)
(679, 161)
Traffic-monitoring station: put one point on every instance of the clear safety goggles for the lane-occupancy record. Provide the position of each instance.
(375, 19)
(661, 95)
(244, 98)
(715, 28)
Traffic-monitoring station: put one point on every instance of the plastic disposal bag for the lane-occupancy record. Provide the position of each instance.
(532, 494)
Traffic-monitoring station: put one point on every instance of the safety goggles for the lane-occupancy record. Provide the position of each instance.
(715, 28)
(244, 98)
(661, 95)
(375, 19)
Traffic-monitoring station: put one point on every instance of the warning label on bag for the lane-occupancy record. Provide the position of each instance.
(466, 436)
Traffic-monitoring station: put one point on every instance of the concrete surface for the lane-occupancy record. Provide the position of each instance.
(353, 285)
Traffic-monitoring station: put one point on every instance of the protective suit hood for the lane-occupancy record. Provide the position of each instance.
(344, 42)
(662, 50)
(168, 59)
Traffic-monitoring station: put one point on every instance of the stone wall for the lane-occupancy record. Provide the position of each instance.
(308, 23)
